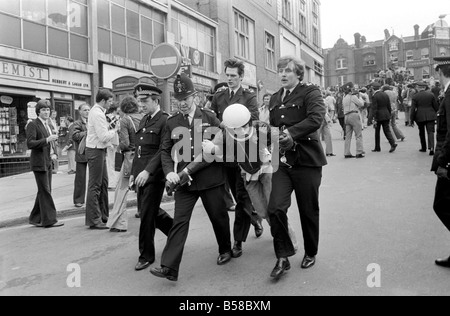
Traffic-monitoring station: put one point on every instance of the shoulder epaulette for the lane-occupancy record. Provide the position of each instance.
(173, 115)
(221, 90)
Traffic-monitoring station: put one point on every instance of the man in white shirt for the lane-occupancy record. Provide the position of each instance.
(99, 136)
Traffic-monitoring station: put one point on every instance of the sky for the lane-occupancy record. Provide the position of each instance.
(344, 18)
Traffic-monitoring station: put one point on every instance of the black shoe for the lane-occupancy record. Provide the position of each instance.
(431, 153)
(57, 224)
(349, 156)
(116, 230)
(141, 265)
(99, 227)
(331, 155)
(308, 262)
(236, 252)
(259, 229)
(393, 148)
(281, 266)
(165, 272)
(224, 258)
(79, 204)
(423, 150)
(443, 262)
(105, 220)
(35, 224)
(359, 156)
(376, 150)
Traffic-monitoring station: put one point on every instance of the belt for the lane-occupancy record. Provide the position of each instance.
(351, 112)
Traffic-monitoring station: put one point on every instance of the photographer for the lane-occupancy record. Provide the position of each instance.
(352, 103)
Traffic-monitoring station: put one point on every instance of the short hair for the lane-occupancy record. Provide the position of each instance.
(299, 67)
(42, 104)
(112, 108)
(235, 63)
(267, 95)
(80, 108)
(445, 70)
(103, 94)
(70, 119)
(129, 105)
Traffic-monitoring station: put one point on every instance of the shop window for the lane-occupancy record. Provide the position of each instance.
(132, 24)
(78, 18)
(58, 43)
(118, 19)
(104, 41)
(34, 37)
(133, 50)
(79, 48)
(12, 37)
(103, 13)
(409, 55)
(442, 51)
(119, 45)
(34, 10)
(57, 14)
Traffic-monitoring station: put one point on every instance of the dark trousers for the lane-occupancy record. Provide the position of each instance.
(215, 206)
(305, 181)
(386, 131)
(79, 188)
(342, 123)
(429, 126)
(369, 116)
(44, 210)
(97, 203)
(441, 203)
(244, 211)
(152, 217)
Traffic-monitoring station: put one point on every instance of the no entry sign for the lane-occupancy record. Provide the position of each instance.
(165, 61)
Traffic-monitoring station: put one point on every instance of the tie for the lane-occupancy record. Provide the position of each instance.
(186, 117)
(288, 92)
(231, 95)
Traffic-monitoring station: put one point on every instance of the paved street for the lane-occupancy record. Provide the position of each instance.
(376, 210)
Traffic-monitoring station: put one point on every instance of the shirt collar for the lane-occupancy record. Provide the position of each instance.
(156, 112)
(43, 121)
(447, 86)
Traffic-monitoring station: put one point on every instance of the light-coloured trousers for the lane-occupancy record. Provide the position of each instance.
(394, 129)
(325, 131)
(353, 124)
(118, 217)
(72, 165)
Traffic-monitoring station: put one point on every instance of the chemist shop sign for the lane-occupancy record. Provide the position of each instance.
(46, 76)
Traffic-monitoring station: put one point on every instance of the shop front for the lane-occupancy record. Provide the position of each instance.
(21, 86)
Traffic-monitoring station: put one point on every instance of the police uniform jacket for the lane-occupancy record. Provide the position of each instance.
(302, 114)
(148, 142)
(381, 106)
(212, 175)
(424, 107)
(442, 154)
(221, 101)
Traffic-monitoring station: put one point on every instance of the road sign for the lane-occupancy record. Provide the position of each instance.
(165, 61)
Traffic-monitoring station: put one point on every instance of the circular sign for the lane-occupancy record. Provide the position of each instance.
(165, 61)
(6, 100)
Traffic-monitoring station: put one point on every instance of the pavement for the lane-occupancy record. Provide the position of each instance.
(18, 194)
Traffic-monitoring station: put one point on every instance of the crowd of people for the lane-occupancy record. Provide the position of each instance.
(259, 156)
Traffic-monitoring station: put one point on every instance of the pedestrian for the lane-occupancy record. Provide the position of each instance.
(42, 143)
(423, 112)
(264, 112)
(190, 123)
(325, 132)
(118, 218)
(54, 127)
(340, 111)
(408, 94)
(441, 159)
(147, 174)
(330, 103)
(352, 102)
(70, 146)
(245, 214)
(393, 97)
(298, 111)
(99, 136)
(381, 106)
(79, 137)
(363, 111)
(436, 90)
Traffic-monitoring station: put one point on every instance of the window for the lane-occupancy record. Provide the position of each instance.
(342, 80)
(425, 53)
(409, 55)
(369, 60)
(318, 67)
(393, 57)
(315, 36)
(244, 37)
(269, 2)
(425, 73)
(302, 24)
(341, 63)
(270, 52)
(302, 5)
(287, 11)
(442, 51)
(393, 45)
(315, 8)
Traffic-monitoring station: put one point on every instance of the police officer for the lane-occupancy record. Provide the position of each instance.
(245, 214)
(184, 134)
(147, 173)
(298, 110)
(441, 159)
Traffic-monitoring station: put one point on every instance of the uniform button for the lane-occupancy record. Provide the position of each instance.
(143, 130)
(190, 138)
(151, 131)
(282, 116)
(192, 147)
(142, 138)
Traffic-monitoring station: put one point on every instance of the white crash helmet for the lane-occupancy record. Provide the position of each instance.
(236, 115)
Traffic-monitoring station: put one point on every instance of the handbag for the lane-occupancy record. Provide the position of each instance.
(82, 146)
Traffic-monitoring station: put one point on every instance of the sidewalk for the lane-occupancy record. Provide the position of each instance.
(18, 194)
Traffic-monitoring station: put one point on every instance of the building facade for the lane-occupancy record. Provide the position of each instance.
(411, 56)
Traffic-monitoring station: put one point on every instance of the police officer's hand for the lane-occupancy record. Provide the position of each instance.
(142, 178)
(131, 182)
(286, 142)
(173, 178)
(442, 173)
(208, 147)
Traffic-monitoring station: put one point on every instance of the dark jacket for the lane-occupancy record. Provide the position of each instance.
(302, 114)
(148, 144)
(442, 154)
(37, 134)
(424, 107)
(129, 124)
(221, 101)
(79, 131)
(180, 135)
(381, 106)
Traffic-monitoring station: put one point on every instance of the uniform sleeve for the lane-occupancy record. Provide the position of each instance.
(168, 164)
(214, 105)
(78, 132)
(252, 106)
(315, 114)
(444, 157)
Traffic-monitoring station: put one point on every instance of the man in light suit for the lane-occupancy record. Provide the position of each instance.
(41, 141)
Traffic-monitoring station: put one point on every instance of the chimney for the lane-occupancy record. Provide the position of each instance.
(416, 32)
(363, 40)
(357, 40)
(386, 34)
